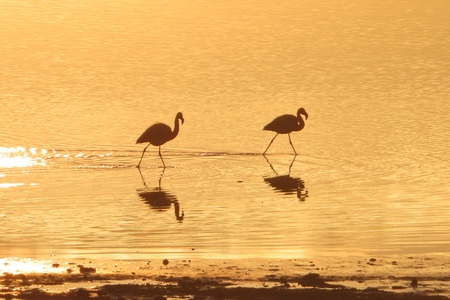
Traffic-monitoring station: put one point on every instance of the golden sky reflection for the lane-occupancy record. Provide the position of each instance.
(87, 77)
(20, 157)
(14, 265)
(8, 185)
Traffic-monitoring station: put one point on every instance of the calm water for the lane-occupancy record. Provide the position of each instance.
(80, 81)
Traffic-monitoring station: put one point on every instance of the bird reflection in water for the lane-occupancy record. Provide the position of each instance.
(286, 183)
(159, 199)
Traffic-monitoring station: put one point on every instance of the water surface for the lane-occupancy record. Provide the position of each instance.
(81, 81)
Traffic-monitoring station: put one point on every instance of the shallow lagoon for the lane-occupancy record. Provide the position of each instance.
(373, 158)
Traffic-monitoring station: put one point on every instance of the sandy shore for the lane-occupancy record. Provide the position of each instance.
(401, 277)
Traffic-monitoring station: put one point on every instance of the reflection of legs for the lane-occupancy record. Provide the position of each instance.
(289, 135)
(177, 211)
(142, 156)
(292, 163)
(160, 178)
(142, 177)
(270, 144)
(270, 165)
(161, 157)
(159, 181)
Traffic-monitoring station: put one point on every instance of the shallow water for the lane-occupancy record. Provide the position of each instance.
(373, 166)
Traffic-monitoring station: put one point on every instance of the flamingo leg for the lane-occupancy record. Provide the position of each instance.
(290, 142)
(142, 156)
(161, 157)
(270, 144)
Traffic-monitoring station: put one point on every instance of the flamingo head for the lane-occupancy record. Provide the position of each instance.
(302, 111)
(180, 116)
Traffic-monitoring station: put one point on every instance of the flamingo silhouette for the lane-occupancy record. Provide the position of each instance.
(158, 134)
(286, 124)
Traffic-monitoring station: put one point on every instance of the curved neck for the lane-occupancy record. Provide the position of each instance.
(301, 122)
(176, 127)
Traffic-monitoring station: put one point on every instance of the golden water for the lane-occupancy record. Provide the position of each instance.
(81, 80)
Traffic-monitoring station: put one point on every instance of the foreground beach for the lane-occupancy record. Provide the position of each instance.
(399, 277)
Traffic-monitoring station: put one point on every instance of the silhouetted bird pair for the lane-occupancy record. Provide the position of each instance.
(159, 133)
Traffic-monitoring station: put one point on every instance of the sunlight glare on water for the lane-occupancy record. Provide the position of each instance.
(14, 265)
(21, 157)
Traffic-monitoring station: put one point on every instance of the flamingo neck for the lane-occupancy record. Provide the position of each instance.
(301, 122)
(176, 127)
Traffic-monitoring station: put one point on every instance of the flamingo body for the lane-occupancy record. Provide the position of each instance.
(158, 134)
(285, 124)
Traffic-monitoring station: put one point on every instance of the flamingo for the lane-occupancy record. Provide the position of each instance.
(286, 124)
(158, 134)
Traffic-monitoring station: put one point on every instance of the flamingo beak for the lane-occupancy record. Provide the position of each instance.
(305, 114)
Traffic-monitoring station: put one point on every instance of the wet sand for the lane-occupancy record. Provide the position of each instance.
(393, 277)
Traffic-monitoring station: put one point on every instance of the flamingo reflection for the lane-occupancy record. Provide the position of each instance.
(286, 183)
(159, 199)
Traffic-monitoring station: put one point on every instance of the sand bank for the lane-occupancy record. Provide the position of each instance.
(394, 277)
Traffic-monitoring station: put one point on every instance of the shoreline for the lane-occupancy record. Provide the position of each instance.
(383, 277)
